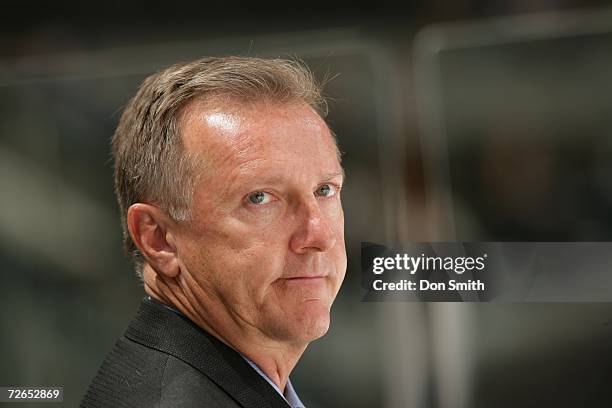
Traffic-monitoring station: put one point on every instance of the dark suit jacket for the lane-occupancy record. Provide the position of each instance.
(165, 360)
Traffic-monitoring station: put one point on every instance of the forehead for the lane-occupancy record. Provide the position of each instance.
(229, 134)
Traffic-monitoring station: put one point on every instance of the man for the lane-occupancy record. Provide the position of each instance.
(228, 181)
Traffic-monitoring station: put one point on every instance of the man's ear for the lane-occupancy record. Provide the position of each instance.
(152, 232)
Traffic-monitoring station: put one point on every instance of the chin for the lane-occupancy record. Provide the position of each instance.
(319, 331)
(312, 323)
(302, 325)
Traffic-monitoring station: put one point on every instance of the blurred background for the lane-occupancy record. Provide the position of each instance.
(460, 120)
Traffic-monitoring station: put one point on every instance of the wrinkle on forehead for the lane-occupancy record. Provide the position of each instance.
(232, 131)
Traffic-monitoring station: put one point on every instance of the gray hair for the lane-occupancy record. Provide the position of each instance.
(149, 160)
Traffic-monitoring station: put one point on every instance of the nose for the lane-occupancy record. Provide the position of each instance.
(313, 232)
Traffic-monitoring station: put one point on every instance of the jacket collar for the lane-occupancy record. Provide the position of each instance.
(158, 327)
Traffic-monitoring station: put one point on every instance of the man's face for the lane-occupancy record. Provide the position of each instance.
(265, 245)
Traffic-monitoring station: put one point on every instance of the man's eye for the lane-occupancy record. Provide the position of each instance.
(326, 190)
(259, 197)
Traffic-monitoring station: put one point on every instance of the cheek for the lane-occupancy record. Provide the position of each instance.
(235, 262)
(339, 251)
(340, 259)
(335, 217)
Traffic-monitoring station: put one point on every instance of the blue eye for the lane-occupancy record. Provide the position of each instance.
(326, 190)
(259, 197)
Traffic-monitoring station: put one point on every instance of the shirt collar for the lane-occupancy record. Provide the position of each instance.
(290, 395)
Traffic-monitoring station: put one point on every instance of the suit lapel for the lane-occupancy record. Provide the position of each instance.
(160, 328)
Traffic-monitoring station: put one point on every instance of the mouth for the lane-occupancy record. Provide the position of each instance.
(306, 278)
(305, 281)
(307, 288)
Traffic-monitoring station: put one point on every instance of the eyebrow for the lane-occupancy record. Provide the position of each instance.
(325, 177)
(328, 176)
(278, 179)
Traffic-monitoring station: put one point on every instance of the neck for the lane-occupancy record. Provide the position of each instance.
(275, 358)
